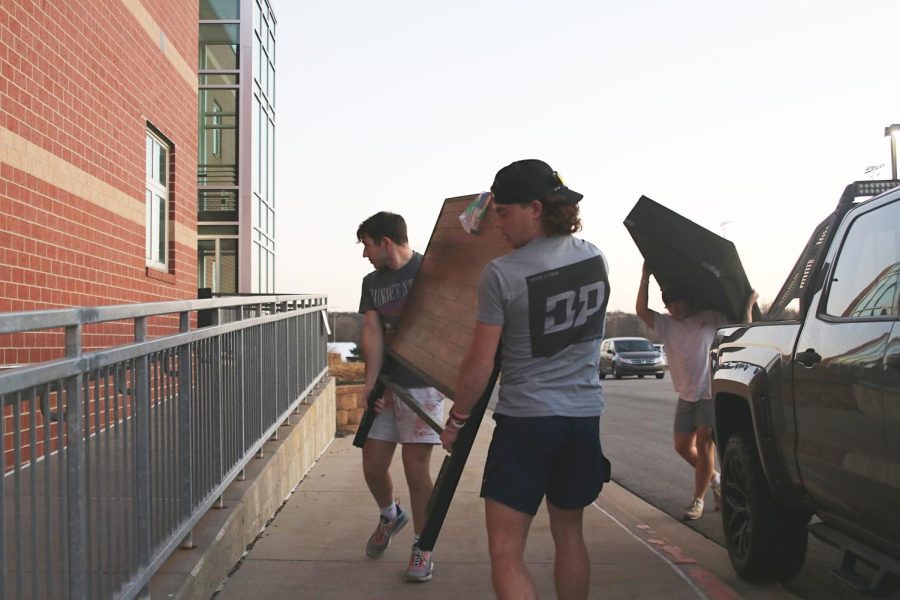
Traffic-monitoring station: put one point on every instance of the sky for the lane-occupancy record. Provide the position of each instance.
(747, 118)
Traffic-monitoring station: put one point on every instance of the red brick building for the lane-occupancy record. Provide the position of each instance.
(98, 156)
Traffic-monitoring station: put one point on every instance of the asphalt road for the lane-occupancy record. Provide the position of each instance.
(636, 431)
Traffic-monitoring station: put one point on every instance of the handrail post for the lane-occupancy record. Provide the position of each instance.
(142, 449)
(185, 425)
(76, 472)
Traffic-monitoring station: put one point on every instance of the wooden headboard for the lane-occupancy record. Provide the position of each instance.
(438, 320)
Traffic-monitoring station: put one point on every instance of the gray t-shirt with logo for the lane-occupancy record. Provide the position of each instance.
(550, 296)
(385, 291)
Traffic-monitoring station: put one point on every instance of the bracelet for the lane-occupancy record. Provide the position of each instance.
(459, 417)
(453, 425)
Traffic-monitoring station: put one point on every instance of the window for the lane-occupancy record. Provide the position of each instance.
(864, 283)
(157, 201)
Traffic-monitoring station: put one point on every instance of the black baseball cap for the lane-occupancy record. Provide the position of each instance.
(527, 180)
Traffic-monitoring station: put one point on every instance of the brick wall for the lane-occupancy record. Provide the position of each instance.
(79, 82)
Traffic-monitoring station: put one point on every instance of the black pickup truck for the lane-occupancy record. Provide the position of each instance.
(807, 405)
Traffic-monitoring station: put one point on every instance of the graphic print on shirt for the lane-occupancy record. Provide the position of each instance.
(567, 306)
(389, 302)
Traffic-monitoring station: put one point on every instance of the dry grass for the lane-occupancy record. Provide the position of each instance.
(347, 372)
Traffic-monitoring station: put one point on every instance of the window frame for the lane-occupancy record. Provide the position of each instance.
(823, 309)
(157, 199)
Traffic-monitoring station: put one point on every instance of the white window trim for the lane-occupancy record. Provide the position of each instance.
(156, 198)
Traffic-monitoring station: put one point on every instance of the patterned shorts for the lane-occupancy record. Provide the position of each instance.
(398, 423)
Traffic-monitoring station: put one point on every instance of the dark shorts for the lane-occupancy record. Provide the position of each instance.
(531, 457)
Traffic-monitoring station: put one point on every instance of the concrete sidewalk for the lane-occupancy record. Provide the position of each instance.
(315, 546)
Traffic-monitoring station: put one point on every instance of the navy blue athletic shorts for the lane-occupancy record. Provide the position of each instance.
(530, 457)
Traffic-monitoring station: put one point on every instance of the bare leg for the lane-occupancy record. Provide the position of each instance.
(706, 460)
(572, 566)
(507, 532)
(417, 466)
(377, 456)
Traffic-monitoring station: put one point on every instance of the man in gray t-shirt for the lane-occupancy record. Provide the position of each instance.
(546, 301)
(384, 292)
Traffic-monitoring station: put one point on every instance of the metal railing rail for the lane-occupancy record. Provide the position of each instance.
(111, 457)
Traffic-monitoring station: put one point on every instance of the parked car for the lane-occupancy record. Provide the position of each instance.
(630, 356)
(807, 409)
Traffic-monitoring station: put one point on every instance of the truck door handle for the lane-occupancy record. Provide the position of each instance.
(808, 358)
(893, 360)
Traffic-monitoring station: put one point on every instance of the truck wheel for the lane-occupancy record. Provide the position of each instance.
(660, 375)
(766, 541)
(602, 374)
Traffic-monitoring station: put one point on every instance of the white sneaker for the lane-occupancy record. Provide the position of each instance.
(694, 511)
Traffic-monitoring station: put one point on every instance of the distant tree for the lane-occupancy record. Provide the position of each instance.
(355, 354)
(345, 326)
(622, 324)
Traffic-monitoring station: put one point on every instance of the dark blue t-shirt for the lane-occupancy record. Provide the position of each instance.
(385, 292)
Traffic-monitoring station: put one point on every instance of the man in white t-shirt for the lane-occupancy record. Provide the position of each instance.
(688, 332)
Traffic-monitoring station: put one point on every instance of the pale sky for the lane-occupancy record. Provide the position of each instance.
(748, 119)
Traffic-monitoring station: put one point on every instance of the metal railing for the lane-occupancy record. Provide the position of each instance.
(111, 457)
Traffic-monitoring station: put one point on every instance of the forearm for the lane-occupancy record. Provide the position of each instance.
(474, 375)
(641, 304)
(372, 346)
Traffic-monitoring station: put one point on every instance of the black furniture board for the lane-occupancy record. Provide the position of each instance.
(680, 252)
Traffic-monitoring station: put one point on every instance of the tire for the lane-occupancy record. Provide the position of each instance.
(766, 541)
(602, 374)
(660, 375)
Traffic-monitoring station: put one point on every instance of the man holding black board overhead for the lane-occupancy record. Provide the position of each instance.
(688, 332)
(384, 293)
(546, 302)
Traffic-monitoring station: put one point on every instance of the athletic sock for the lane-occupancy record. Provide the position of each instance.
(390, 512)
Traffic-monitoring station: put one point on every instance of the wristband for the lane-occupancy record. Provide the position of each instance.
(453, 425)
(458, 417)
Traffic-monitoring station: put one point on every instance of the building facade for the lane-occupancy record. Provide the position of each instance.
(98, 156)
(236, 142)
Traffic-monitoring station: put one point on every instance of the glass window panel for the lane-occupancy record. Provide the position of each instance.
(254, 212)
(255, 150)
(867, 269)
(257, 16)
(160, 164)
(217, 148)
(271, 271)
(270, 160)
(210, 230)
(219, 45)
(206, 263)
(228, 266)
(148, 216)
(219, 79)
(220, 10)
(254, 265)
(217, 205)
(160, 206)
(271, 85)
(149, 156)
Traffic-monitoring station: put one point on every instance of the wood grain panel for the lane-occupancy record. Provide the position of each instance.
(437, 323)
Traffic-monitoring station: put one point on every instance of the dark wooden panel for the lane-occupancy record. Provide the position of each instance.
(436, 328)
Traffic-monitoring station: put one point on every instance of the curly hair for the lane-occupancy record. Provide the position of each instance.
(559, 217)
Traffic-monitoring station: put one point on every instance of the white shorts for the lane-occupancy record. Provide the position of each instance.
(398, 423)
